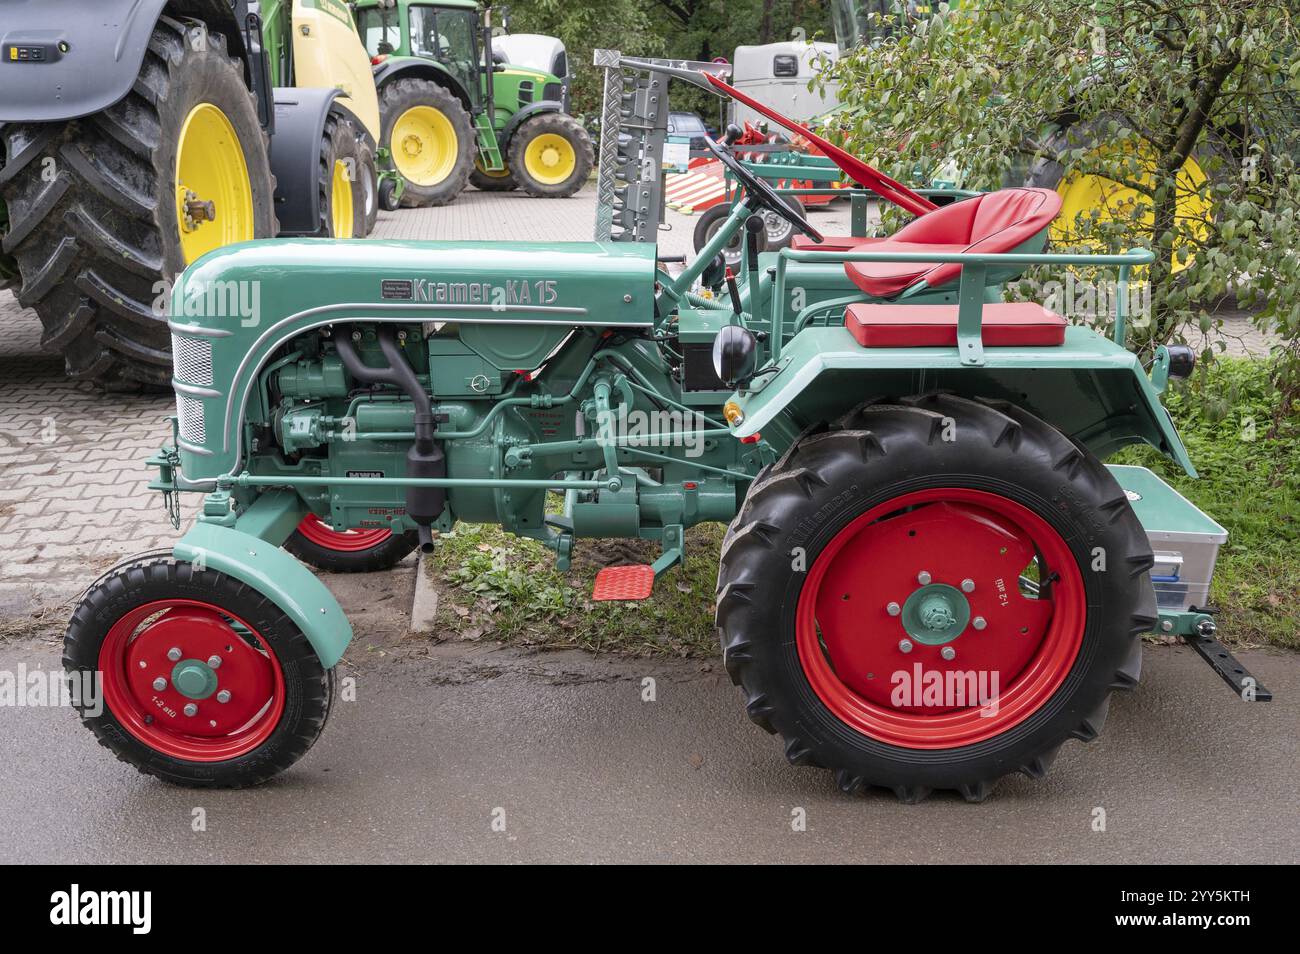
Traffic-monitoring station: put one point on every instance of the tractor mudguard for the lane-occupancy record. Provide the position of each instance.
(528, 112)
(1089, 388)
(250, 553)
(416, 67)
(295, 155)
(90, 60)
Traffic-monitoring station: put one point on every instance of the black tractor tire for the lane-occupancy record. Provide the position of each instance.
(388, 200)
(779, 231)
(486, 182)
(308, 686)
(387, 553)
(834, 474)
(338, 144)
(367, 194)
(710, 221)
(557, 124)
(92, 214)
(402, 94)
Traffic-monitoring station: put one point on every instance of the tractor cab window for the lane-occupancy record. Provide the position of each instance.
(450, 36)
(381, 33)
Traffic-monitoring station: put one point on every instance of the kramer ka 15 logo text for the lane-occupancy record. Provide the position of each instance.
(541, 291)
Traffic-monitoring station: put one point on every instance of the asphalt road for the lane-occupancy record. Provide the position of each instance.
(441, 743)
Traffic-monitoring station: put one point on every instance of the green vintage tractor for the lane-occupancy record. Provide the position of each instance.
(453, 114)
(930, 579)
(137, 135)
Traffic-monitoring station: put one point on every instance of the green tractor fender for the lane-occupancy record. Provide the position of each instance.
(1089, 388)
(418, 67)
(525, 114)
(250, 552)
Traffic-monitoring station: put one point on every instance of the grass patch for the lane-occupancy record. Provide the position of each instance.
(503, 587)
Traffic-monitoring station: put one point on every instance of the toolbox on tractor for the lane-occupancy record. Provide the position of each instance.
(931, 507)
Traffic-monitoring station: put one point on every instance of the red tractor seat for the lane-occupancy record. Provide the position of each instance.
(991, 223)
(832, 243)
(1006, 324)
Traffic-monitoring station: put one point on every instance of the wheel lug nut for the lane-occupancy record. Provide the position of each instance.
(948, 653)
(159, 684)
(979, 622)
(893, 609)
(223, 695)
(904, 645)
(190, 709)
(174, 654)
(924, 577)
(967, 586)
(214, 662)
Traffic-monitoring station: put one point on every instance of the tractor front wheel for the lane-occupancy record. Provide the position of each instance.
(431, 139)
(933, 593)
(550, 156)
(318, 544)
(194, 677)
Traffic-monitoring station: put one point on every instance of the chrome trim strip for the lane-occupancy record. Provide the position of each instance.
(194, 390)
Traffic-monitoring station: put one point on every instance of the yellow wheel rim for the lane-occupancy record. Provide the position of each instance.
(1086, 199)
(214, 200)
(550, 158)
(341, 200)
(424, 145)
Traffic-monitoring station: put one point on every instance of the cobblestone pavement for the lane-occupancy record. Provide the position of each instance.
(73, 497)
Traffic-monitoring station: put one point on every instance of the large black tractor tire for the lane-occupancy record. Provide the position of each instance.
(501, 181)
(119, 641)
(341, 203)
(367, 191)
(572, 148)
(93, 221)
(442, 185)
(710, 221)
(879, 472)
(359, 552)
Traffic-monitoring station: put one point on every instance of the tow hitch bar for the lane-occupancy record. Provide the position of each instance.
(1225, 664)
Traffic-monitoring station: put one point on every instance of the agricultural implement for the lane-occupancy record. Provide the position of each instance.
(453, 115)
(136, 135)
(930, 579)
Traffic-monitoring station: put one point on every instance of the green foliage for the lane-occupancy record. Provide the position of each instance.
(1127, 90)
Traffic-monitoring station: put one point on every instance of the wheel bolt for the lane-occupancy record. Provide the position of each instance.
(190, 709)
(948, 653)
(904, 645)
(223, 695)
(893, 609)
(923, 577)
(159, 684)
(174, 654)
(979, 622)
(214, 662)
(967, 586)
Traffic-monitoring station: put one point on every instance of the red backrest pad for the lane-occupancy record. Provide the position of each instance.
(1006, 324)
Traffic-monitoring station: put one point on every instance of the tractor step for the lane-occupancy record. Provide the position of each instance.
(488, 150)
(1229, 669)
(624, 582)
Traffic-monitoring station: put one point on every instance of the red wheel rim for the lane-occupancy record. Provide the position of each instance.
(849, 640)
(134, 655)
(345, 541)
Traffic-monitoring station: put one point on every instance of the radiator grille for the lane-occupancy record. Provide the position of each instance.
(192, 360)
(189, 413)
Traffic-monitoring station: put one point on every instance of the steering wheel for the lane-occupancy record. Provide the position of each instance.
(764, 195)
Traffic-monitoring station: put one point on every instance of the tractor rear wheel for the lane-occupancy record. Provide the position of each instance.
(933, 593)
(202, 681)
(550, 156)
(318, 544)
(485, 181)
(342, 203)
(431, 139)
(105, 209)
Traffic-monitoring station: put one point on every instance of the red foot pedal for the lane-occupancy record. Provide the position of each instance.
(624, 582)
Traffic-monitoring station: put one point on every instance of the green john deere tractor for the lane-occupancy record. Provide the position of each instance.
(453, 113)
(930, 579)
(138, 135)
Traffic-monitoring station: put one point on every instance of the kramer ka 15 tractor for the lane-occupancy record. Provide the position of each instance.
(136, 135)
(453, 115)
(930, 579)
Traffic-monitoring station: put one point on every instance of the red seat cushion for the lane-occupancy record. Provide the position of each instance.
(992, 223)
(832, 243)
(1006, 324)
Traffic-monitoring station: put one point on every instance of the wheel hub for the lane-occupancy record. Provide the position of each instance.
(936, 614)
(194, 679)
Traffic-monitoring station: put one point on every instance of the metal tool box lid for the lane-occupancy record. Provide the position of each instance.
(1165, 513)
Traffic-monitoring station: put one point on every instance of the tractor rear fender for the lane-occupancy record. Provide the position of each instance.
(250, 552)
(414, 67)
(528, 112)
(295, 155)
(1088, 388)
(55, 68)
